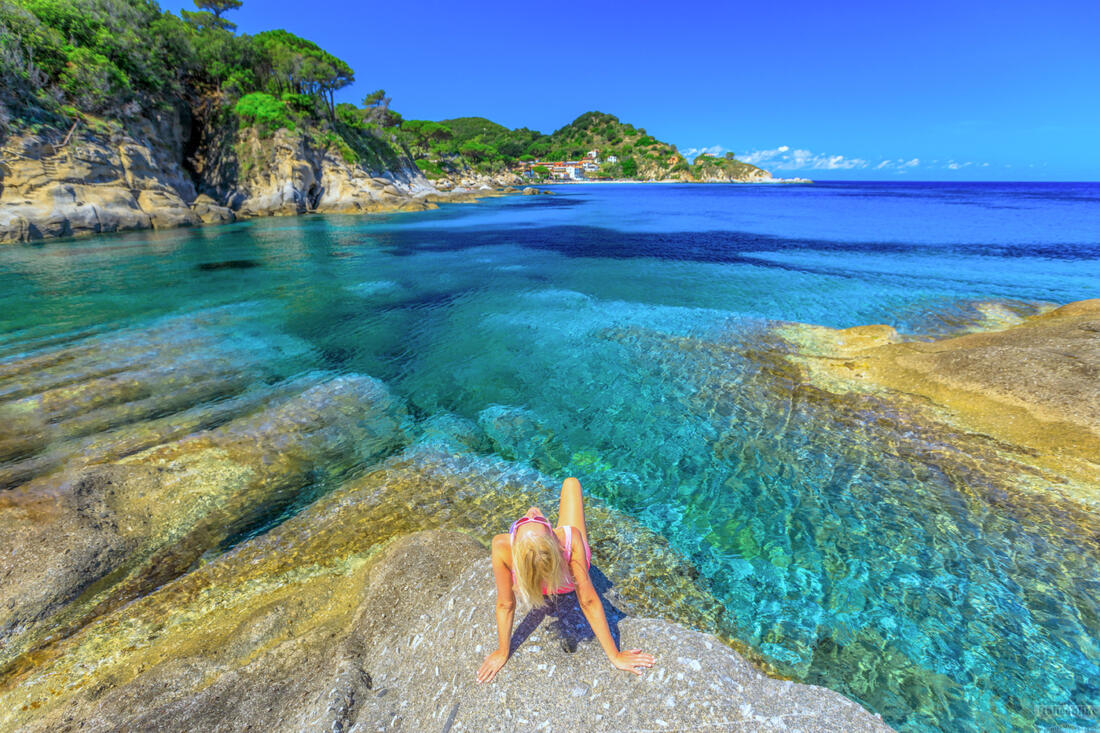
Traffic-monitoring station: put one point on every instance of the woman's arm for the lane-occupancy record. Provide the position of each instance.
(505, 611)
(592, 608)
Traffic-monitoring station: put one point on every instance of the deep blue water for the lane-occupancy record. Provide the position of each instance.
(630, 327)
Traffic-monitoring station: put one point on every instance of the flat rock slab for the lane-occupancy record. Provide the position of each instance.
(559, 678)
(388, 640)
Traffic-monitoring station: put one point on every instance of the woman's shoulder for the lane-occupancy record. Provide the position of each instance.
(501, 545)
(568, 530)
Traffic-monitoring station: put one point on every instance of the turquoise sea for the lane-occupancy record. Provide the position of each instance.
(632, 324)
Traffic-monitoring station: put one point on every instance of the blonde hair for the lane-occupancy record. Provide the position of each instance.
(538, 564)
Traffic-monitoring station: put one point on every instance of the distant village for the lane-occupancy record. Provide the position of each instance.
(568, 170)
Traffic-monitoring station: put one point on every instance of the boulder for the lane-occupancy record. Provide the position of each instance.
(210, 211)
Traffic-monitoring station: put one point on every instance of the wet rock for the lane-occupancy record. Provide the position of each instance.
(210, 211)
(450, 429)
(518, 434)
(52, 398)
(111, 533)
(1034, 384)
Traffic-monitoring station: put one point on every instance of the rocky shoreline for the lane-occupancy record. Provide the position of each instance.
(1030, 383)
(142, 179)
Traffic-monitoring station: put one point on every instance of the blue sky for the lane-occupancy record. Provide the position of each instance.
(932, 90)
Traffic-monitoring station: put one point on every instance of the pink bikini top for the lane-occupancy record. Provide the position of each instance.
(568, 554)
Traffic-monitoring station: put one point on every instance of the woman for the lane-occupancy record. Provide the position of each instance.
(534, 559)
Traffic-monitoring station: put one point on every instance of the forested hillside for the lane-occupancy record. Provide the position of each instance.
(486, 145)
(109, 63)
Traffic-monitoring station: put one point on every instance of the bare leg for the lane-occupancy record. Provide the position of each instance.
(571, 507)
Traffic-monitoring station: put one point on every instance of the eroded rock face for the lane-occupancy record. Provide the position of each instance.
(95, 183)
(107, 182)
(305, 635)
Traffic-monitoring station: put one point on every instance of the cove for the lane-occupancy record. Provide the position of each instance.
(633, 336)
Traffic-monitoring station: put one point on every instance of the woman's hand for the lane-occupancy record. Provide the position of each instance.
(629, 660)
(491, 666)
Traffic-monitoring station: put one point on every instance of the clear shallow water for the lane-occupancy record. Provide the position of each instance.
(629, 327)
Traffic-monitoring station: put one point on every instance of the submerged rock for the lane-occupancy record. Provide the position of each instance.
(90, 542)
(67, 404)
(284, 633)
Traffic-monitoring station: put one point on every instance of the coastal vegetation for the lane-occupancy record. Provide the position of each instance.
(109, 64)
(119, 61)
(626, 151)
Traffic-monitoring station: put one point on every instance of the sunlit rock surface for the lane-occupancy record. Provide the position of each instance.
(1033, 383)
(288, 633)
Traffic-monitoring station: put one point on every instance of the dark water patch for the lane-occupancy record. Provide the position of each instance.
(228, 265)
(719, 247)
(423, 300)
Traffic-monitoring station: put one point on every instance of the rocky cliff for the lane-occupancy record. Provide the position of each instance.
(141, 177)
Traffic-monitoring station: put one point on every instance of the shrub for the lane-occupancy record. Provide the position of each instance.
(429, 168)
(264, 112)
(239, 82)
(336, 140)
(298, 102)
(92, 81)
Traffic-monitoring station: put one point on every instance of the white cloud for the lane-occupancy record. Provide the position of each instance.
(715, 150)
(785, 158)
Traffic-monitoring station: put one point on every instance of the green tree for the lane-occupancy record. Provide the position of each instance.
(630, 167)
(217, 7)
(377, 98)
(378, 109)
(422, 134)
(209, 14)
(541, 171)
(478, 151)
(293, 64)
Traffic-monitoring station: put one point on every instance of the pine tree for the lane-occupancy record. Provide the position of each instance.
(209, 14)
